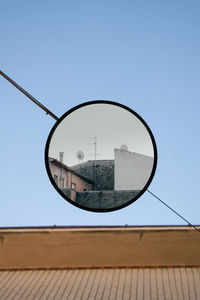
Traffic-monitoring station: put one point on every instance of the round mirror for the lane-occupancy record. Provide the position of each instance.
(101, 156)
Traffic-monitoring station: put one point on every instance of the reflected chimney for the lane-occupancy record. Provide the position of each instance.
(61, 156)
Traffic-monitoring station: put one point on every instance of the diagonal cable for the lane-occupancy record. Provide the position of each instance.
(48, 112)
(173, 210)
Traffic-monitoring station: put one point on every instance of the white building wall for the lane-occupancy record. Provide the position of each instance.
(132, 170)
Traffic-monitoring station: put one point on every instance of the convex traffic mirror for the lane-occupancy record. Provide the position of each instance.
(112, 170)
(101, 156)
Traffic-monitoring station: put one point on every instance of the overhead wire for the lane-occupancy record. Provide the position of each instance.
(190, 224)
(48, 112)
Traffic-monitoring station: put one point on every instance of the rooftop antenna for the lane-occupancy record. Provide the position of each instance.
(61, 156)
(80, 156)
(95, 157)
(95, 146)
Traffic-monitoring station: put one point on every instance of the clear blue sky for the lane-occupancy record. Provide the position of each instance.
(144, 54)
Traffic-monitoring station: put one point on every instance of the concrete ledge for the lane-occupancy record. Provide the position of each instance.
(37, 248)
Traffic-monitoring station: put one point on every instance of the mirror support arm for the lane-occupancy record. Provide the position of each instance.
(48, 112)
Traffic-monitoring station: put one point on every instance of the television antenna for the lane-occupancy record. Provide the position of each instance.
(95, 157)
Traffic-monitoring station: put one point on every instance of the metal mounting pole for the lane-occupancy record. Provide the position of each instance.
(95, 158)
(48, 112)
(95, 161)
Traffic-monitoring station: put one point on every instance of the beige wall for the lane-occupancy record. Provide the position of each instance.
(98, 247)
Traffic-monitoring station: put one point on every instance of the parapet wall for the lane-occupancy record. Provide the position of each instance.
(36, 248)
(104, 199)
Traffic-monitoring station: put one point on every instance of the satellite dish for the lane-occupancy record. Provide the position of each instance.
(124, 147)
(80, 155)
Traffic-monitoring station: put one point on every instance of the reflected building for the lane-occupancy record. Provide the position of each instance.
(103, 184)
(132, 170)
(68, 180)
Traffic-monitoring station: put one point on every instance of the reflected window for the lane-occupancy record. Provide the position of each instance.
(62, 183)
(55, 177)
(73, 186)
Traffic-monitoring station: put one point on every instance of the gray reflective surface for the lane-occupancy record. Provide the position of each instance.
(101, 156)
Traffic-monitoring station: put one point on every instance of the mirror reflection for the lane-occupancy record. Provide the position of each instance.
(101, 156)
